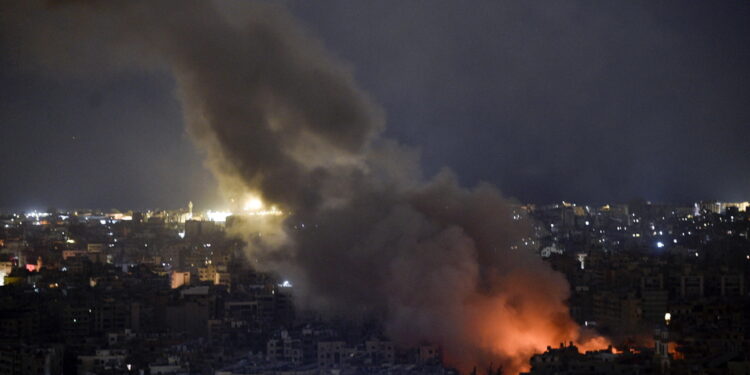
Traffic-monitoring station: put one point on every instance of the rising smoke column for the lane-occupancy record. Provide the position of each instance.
(278, 116)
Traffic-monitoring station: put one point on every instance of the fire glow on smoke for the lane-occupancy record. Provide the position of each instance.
(512, 328)
(275, 113)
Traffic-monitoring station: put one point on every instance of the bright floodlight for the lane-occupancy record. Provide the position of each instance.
(660, 244)
(220, 216)
(253, 204)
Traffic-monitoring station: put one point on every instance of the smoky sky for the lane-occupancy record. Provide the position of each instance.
(585, 101)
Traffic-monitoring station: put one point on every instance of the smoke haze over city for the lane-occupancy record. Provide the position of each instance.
(390, 192)
(280, 119)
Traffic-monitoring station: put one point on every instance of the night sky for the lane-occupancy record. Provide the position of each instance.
(587, 101)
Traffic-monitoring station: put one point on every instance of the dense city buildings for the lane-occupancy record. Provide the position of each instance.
(165, 293)
(366, 165)
(174, 292)
(669, 281)
(379, 177)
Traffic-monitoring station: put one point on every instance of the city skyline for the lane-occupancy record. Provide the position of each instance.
(357, 188)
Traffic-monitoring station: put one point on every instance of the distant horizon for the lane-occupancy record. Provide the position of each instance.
(197, 206)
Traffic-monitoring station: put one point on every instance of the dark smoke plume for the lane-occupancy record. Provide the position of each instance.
(280, 118)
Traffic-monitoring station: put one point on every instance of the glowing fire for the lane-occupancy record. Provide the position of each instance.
(513, 325)
(273, 211)
(219, 216)
(253, 204)
(672, 349)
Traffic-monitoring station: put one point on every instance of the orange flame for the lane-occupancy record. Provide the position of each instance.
(672, 349)
(512, 325)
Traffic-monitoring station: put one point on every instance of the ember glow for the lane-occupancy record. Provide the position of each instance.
(513, 336)
(511, 327)
(672, 349)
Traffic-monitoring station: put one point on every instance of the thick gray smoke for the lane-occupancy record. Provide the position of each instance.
(277, 116)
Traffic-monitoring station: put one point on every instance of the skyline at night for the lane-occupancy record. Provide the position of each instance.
(249, 187)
